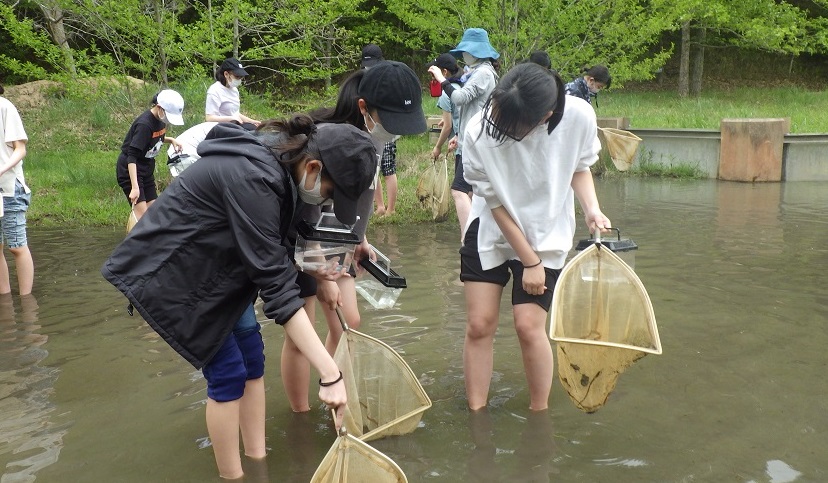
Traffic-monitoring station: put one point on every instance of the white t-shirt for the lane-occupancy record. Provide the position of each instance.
(532, 180)
(190, 139)
(11, 129)
(222, 100)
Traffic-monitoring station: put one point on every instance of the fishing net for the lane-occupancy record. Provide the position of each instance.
(434, 189)
(603, 321)
(621, 146)
(385, 398)
(352, 460)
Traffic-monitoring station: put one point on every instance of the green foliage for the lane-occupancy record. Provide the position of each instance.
(37, 45)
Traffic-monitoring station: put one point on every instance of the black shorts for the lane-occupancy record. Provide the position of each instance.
(472, 271)
(307, 285)
(459, 183)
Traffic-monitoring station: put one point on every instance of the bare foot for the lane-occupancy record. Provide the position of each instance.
(379, 211)
(389, 213)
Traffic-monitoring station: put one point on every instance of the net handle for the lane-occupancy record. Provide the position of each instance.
(342, 320)
(597, 234)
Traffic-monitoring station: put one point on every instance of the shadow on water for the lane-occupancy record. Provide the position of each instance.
(736, 274)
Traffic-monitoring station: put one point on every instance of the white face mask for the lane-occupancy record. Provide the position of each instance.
(469, 59)
(378, 133)
(235, 83)
(312, 196)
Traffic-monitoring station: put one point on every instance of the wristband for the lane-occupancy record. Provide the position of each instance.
(535, 265)
(326, 384)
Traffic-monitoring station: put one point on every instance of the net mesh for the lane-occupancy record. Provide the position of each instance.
(352, 460)
(602, 321)
(385, 398)
(621, 146)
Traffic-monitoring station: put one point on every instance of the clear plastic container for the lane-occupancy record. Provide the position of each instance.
(381, 292)
(327, 245)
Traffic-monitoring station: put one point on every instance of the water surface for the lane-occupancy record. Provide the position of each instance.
(736, 274)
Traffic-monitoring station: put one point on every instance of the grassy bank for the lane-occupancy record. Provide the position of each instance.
(75, 138)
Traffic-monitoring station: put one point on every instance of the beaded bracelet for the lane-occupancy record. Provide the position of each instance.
(326, 384)
(535, 265)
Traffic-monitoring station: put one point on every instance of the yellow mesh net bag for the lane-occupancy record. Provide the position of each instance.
(621, 146)
(603, 321)
(352, 460)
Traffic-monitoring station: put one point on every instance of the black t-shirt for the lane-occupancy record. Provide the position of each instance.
(143, 141)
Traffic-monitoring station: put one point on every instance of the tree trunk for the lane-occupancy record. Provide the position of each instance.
(697, 63)
(54, 19)
(162, 41)
(684, 69)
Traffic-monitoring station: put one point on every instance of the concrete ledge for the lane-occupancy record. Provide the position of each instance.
(804, 158)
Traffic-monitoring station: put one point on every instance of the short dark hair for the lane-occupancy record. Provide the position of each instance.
(520, 101)
(599, 73)
(2, 91)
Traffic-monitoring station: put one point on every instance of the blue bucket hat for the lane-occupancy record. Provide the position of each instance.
(476, 42)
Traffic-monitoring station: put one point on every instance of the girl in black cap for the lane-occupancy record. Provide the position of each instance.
(383, 101)
(219, 240)
(223, 100)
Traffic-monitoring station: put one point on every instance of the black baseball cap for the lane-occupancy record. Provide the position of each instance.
(234, 66)
(445, 61)
(348, 155)
(394, 90)
(371, 54)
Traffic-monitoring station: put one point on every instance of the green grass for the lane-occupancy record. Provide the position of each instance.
(74, 139)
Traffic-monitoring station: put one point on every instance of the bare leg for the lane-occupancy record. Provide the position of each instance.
(252, 418)
(378, 199)
(462, 204)
(295, 368)
(223, 428)
(482, 305)
(538, 361)
(25, 269)
(140, 208)
(5, 284)
(391, 187)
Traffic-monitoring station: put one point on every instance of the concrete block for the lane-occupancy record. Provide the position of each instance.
(615, 122)
(752, 149)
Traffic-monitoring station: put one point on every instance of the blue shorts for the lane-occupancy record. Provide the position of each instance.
(240, 359)
(13, 223)
(471, 270)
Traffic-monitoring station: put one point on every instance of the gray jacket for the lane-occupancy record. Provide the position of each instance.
(473, 96)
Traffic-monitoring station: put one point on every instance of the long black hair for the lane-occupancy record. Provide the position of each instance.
(521, 100)
(346, 110)
(288, 139)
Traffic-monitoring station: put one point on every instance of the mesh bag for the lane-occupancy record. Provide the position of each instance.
(434, 190)
(132, 219)
(352, 460)
(621, 146)
(603, 321)
(384, 396)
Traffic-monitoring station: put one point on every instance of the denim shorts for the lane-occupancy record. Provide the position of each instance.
(240, 358)
(13, 223)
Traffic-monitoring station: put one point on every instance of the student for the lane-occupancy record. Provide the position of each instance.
(181, 159)
(588, 85)
(371, 56)
(223, 102)
(16, 198)
(450, 122)
(478, 54)
(525, 155)
(218, 238)
(135, 169)
(366, 102)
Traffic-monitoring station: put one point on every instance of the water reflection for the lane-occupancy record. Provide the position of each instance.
(29, 442)
(736, 274)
